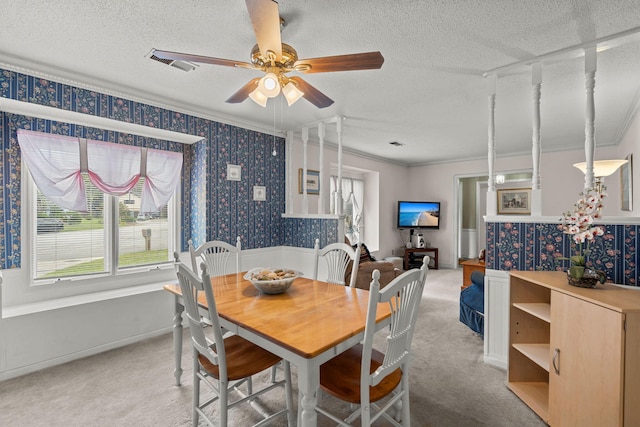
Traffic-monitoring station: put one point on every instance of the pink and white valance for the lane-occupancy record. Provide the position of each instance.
(57, 162)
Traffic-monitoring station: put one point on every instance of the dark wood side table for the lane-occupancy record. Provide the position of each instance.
(468, 267)
(411, 260)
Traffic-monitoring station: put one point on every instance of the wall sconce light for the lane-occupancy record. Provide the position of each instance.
(499, 179)
(601, 168)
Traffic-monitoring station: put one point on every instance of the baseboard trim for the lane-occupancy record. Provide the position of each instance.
(23, 370)
(499, 363)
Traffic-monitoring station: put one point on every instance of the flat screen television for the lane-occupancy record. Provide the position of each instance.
(418, 214)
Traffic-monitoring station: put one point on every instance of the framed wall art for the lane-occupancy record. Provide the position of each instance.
(626, 184)
(514, 201)
(259, 193)
(234, 172)
(313, 182)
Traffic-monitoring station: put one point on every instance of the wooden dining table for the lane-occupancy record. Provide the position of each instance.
(310, 323)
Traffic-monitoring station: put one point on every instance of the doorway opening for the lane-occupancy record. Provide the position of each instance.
(471, 200)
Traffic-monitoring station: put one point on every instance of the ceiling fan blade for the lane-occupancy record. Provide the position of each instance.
(177, 56)
(266, 25)
(355, 61)
(312, 94)
(243, 92)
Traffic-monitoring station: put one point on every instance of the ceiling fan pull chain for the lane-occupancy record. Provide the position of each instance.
(274, 152)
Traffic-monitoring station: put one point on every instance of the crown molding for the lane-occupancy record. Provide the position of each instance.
(83, 81)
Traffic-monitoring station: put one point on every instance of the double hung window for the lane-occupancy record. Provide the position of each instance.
(98, 209)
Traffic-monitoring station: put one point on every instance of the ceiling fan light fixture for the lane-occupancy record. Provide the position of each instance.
(291, 93)
(258, 97)
(269, 85)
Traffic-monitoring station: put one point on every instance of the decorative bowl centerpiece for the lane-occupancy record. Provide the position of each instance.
(272, 280)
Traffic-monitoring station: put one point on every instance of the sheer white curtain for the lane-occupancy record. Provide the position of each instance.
(163, 176)
(358, 194)
(113, 168)
(56, 164)
(353, 202)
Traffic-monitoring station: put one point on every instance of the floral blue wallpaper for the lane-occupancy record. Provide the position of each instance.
(536, 246)
(212, 206)
(303, 232)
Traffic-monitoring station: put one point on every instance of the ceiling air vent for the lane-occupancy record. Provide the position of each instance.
(181, 65)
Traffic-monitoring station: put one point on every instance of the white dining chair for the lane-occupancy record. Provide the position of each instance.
(337, 257)
(216, 254)
(225, 363)
(363, 375)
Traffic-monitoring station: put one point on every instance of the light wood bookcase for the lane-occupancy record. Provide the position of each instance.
(574, 353)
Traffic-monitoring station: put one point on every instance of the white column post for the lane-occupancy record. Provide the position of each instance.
(339, 184)
(321, 168)
(305, 196)
(590, 66)
(289, 142)
(536, 191)
(492, 202)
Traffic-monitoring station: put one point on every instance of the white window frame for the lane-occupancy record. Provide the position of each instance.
(29, 224)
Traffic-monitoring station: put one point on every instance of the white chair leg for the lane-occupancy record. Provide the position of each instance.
(288, 392)
(406, 416)
(196, 390)
(224, 401)
(249, 386)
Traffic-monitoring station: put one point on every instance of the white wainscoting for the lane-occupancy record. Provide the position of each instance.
(496, 319)
(34, 336)
(469, 243)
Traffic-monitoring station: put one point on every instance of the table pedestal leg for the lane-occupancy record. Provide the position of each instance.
(308, 383)
(177, 339)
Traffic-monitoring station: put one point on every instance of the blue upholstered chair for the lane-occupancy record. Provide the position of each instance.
(472, 303)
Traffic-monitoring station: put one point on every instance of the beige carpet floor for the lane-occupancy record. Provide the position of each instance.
(134, 385)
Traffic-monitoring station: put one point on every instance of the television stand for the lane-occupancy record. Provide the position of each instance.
(412, 260)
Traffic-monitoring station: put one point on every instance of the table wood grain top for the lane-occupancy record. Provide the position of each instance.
(308, 319)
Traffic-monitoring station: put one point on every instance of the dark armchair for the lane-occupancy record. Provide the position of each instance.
(368, 263)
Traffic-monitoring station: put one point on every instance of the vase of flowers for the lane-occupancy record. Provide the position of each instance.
(579, 224)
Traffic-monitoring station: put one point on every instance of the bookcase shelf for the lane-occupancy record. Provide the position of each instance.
(537, 353)
(540, 310)
(565, 342)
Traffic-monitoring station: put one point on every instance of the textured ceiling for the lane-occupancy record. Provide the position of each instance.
(430, 94)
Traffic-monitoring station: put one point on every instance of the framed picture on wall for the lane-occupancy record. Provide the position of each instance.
(313, 182)
(514, 201)
(259, 193)
(626, 184)
(234, 172)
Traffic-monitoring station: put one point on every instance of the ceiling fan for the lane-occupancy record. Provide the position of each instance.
(276, 60)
